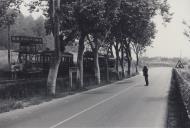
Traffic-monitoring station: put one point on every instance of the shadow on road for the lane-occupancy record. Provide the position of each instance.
(156, 99)
(125, 82)
(98, 92)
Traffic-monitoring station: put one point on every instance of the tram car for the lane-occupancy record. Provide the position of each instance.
(32, 61)
(103, 61)
(66, 62)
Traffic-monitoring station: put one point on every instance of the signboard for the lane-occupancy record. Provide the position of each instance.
(179, 64)
(26, 40)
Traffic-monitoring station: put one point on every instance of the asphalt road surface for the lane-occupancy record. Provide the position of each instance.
(127, 104)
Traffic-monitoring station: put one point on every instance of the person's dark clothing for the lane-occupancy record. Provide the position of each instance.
(145, 71)
(146, 80)
(145, 74)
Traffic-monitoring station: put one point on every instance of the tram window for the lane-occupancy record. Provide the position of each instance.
(63, 59)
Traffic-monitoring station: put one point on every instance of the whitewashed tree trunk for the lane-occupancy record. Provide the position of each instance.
(117, 60)
(96, 66)
(80, 60)
(122, 61)
(54, 66)
(9, 46)
(52, 76)
(137, 62)
(129, 58)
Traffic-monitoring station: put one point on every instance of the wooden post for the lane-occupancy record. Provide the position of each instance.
(71, 71)
(70, 79)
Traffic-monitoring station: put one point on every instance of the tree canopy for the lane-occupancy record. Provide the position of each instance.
(8, 11)
(187, 30)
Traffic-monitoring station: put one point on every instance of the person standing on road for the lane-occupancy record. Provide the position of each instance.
(145, 74)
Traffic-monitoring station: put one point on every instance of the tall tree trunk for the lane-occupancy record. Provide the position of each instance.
(9, 47)
(80, 60)
(129, 67)
(96, 61)
(109, 52)
(52, 76)
(129, 58)
(96, 66)
(107, 70)
(137, 62)
(122, 61)
(95, 48)
(117, 60)
(53, 71)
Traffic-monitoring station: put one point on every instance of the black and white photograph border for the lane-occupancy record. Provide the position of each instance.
(94, 64)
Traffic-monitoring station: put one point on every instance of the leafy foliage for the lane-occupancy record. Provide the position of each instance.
(124, 17)
(187, 30)
(8, 11)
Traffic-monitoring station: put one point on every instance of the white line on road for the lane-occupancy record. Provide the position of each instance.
(103, 101)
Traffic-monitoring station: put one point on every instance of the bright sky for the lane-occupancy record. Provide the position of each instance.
(170, 40)
(25, 11)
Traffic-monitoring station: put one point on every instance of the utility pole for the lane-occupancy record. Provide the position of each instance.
(180, 54)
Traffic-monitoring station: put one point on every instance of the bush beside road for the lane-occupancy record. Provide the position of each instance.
(179, 101)
(183, 82)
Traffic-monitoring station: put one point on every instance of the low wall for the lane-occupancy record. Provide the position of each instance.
(181, 81)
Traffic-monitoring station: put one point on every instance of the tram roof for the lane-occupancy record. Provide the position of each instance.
(65, 54)
(52, 52)
(27, 52)
(26, 40)
(89, 54)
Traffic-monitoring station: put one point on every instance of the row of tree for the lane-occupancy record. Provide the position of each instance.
(103, 24)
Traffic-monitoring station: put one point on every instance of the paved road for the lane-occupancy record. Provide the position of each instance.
(127, 103)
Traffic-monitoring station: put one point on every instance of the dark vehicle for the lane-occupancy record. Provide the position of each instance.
(103, 63)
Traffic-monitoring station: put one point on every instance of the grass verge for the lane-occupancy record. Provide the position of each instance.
(30, 92)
